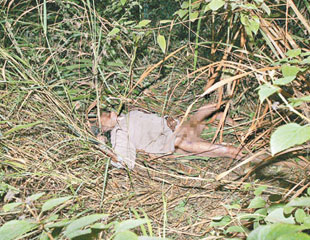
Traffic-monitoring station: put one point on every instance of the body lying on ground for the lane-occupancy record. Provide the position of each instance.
(138, 130)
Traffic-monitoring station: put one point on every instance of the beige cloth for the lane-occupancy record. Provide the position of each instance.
(140, 131)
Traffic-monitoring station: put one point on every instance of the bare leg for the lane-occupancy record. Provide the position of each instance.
(193, 128)
(204, 148)
(203, 113)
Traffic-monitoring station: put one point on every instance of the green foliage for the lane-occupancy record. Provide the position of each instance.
(290, 134)
(269, 221)
(49, 223)
(287, 136)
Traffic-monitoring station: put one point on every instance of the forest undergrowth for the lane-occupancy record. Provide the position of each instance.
(58, 58)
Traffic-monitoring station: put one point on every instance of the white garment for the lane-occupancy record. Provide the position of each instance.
(140, 131)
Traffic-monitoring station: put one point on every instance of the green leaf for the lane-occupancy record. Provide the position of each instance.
(193, 16)
(123, 2)
(214, 5)
(143, 23)
(10, 206)
(300, 215)
(77, 233)
(288, 210)
(161, 42)
(234, 229)
(59, 224)
(34, 197)
(254, 24)
(126, 235)
(300, 202)
(181, 13)
(129, 224)
(266, 90)
(113, 32)
(288, 70)
(83, 222)
(185, 4)
(277, 216)
(274, 231)
(20, 127)
(15, 228)
(287, 136)
(285, 80)
(49, 204)
(295, 236)
(257, 202)
(293, 52)
(220, 221)
(259, 190)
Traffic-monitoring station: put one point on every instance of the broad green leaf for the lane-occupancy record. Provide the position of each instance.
(295, 236)
(254, 24)
(181, 13)
(15, 228)
(10, 206)
(214, 5)
(77, 233)
(34, 197)
(193, 16)
(300, 202)
(49, 204)
(123, 2)
(266, 90)
(234, 229)
(143, 23)
(196, 5)
(287, 136)
(185, 4)
(288, 210)
(59, 224)
(101, 226)
(257, 202)
(161, 42)
(244, 19)
(20, 127)
(126, 235)
(83, 222)
(129, 224)
(113, 32)
(274, 231)
(293, 52)
(288, 70)
(277, 216)
(285, 80)
(259, 190)
(300, 215)
(220, 221)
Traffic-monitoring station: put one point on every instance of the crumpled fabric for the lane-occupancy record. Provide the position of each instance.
(140, 131)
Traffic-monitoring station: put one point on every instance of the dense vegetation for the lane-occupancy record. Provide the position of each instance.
(62, 61)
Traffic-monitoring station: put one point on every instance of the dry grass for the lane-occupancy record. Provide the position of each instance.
(44, 141)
